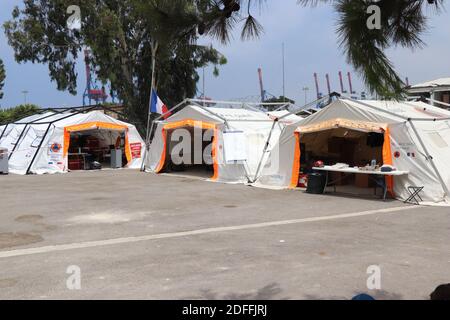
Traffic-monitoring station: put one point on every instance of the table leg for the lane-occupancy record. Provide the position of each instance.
(326, 182)
(384, 189)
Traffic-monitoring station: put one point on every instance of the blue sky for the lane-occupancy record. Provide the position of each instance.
(310, 46)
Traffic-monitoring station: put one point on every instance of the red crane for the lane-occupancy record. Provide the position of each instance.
(98, 95)
(319, 94)
(261, 85)
(328, 83)
(341, 82)
(350, 83)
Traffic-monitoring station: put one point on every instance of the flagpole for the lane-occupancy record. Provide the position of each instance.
(148, 134)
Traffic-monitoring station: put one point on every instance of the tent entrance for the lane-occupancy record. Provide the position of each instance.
(343, 146)
(188, 153)
(88, 148)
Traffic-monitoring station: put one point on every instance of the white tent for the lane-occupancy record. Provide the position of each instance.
(39, 144)
(240, 139)
(416, 139)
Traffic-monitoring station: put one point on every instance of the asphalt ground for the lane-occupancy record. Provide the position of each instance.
(133, 235)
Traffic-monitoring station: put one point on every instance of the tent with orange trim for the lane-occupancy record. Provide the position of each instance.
(40, 144)
(232, 142)
(411, 136)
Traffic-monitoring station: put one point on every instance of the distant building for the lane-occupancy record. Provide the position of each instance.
(438, 90)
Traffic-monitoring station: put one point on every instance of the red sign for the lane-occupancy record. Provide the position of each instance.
(136, 150)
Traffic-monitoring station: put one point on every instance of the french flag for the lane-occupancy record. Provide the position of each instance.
(158, 106)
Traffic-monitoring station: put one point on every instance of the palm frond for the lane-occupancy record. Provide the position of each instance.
(252, 29)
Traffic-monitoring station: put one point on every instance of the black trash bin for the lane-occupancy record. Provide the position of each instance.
(316, 183)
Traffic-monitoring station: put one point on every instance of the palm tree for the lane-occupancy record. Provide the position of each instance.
(403, 22)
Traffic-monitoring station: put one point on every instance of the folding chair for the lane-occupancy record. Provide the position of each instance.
(414, 195)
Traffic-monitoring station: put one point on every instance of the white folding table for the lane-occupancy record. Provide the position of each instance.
(350, 170)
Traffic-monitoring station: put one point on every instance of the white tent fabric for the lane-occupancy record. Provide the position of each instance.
(38, 144)
(255, 129)
(442, 82)
(419, 136)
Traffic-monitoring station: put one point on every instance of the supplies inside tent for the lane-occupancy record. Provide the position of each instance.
(411, 137)
(54, 142)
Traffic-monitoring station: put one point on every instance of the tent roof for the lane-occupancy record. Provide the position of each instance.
(433, 83)
(218, 115)
(35, 117)
(381, 112)
(287, 117)
(69, 118)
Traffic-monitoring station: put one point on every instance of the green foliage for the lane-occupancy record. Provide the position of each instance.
(403, 22)
(280, 99)
(14, 114)
(2, 77)
(121, 35)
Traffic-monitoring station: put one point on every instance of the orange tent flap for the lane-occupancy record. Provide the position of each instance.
(95, 125)
(364, 126)
(296, 165)
(196, 124)
(189, 123)
(387, 159)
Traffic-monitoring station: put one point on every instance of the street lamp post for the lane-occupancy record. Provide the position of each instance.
(305, 90)
(25, 92)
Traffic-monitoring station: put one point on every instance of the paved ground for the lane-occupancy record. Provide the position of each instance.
(139, 236)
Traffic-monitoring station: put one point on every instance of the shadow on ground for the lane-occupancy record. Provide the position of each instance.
(270, 292)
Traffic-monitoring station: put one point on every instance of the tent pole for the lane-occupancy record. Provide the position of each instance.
(4, 130)
(154, 50)
(438, 102)
(283, 106)
(429, 157)
(264, 151)
(147, 143)
(236, 103)
(154, 46)
(34, 122)
(147, 150)
(38, 149)
(306, 106)
(171, 110)
(213, 113)
(18, 141)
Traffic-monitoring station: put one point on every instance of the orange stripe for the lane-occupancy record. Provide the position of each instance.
(387, 159)
(296, 165)
(196, 124)
(95, 125)
(127, 148)
(215, 156)
(162, 160)
(66, 142)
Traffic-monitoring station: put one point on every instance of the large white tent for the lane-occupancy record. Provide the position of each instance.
(416, 139)
(39, 144)
(241, 140)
